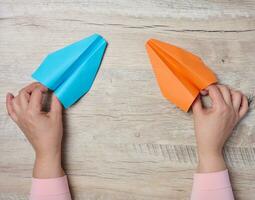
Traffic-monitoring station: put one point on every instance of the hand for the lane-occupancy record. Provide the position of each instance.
(214, 125)
(43, 130)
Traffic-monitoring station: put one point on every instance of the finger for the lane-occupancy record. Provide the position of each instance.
(29, 89)
(35, 103)
(197, 107)
(16, 105)
(56, 107)
(23, 99)
(225, 91)
(236, 100)
(244, 106)
(204, 92)
(24, 94)
(215, 95)
(9, 106)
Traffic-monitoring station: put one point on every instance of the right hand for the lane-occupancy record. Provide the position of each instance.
(215, 124)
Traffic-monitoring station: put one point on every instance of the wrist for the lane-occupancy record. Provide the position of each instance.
(48, 166)
(210, 162)
(50, 155)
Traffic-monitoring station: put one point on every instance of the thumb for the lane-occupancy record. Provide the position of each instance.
(197, 107)
(56, 107)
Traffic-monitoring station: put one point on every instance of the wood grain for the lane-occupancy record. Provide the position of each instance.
(124, 140)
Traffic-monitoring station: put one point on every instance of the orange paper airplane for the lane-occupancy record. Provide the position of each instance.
(181, 75)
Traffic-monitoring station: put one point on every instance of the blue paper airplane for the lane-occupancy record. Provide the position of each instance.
(70, 71)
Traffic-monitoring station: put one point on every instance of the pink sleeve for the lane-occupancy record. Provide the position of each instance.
(211, 186)
(50, 189)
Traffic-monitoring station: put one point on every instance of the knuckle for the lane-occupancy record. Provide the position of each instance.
(30, 113)
(21, 91)
(245, 99)
(225, 88)
(238, 93)
(222, 86)
(234, 92)
(37, 90)
(223, 109)
(33, 84)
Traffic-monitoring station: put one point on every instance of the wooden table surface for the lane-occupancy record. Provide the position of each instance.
(123, 140)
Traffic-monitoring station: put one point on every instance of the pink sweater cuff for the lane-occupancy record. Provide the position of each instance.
(211, 181)
(211, 186)
(53, 188)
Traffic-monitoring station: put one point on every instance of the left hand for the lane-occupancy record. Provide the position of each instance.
(43, 130)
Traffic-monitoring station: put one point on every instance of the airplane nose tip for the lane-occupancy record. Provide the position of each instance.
(150, 41)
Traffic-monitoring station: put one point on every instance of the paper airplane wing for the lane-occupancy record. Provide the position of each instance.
(180, 74)
(70, 71)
